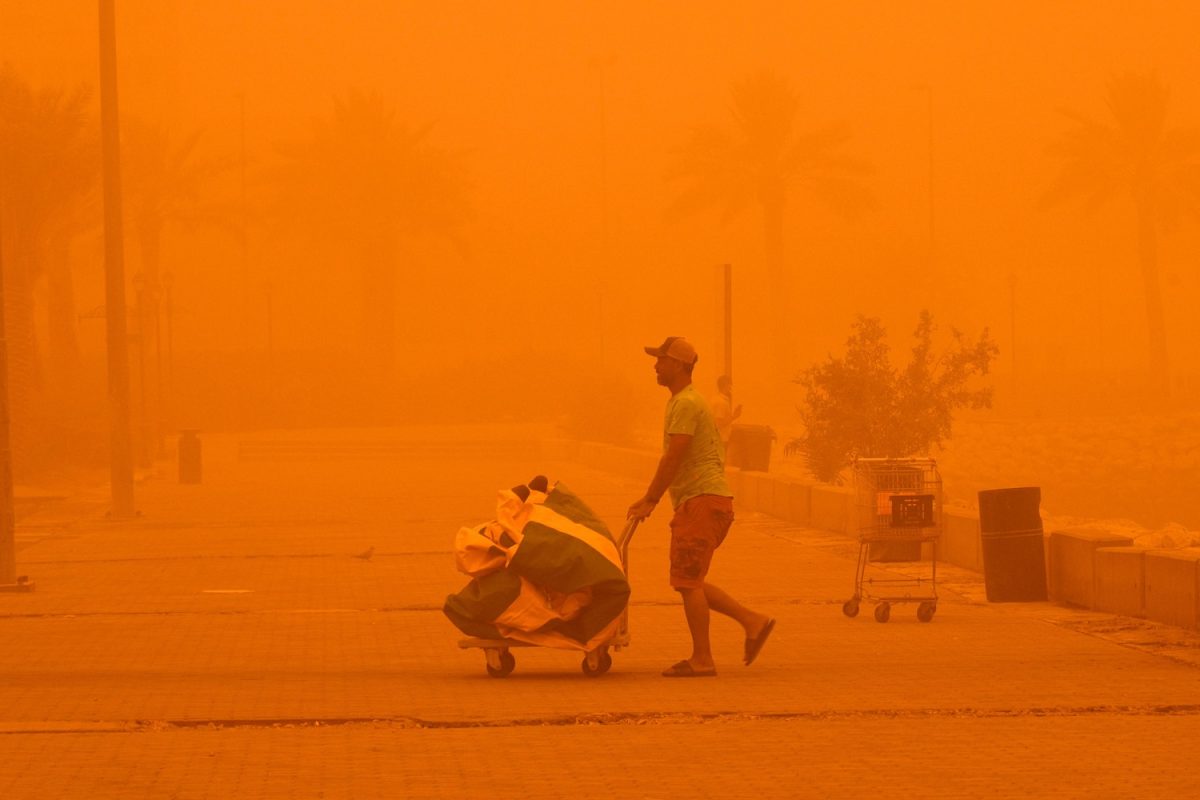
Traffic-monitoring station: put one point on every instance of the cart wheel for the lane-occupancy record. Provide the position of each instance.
(850, 607)
(508, 663)
(602, 663)
(882, 612)
(925, 611)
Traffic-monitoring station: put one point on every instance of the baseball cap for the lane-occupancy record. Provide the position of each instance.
(675, 347)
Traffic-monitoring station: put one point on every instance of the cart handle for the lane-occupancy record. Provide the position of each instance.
(623, 541)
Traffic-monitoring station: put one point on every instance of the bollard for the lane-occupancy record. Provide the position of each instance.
(189, 456)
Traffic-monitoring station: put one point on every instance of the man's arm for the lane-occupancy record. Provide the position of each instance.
(668, 465)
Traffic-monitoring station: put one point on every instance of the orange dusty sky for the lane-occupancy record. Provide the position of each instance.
(565, 117)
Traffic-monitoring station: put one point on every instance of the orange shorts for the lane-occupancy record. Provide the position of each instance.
(697, 529)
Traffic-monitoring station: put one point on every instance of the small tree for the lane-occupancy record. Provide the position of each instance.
(860, 405)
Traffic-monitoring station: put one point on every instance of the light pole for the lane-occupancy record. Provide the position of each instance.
(121, 456)
(168, 282)
(928, 90)
(8, 544)
(1012, 330)
(140, 314)
(601, 64)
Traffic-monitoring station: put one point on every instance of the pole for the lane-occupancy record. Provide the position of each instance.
(243, 233)
(601, 63)
(1012, 329)
(121, 463)
(9, 581)
(727, 269)
(8, 545)
(929, 117)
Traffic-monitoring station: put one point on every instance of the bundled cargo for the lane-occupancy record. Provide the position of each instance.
(546, 571)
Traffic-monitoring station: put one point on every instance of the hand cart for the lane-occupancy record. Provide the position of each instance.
(596, 662)
(896, 501)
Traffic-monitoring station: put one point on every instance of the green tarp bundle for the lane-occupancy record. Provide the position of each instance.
(546, 571)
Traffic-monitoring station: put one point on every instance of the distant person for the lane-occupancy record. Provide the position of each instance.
(692, 468)
(725, 413)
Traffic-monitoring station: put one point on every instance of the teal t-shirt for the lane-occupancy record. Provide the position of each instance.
(703, 467)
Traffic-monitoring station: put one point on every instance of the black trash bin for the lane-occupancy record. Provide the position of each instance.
(1014, 558)
(750, 447)
(189, 456)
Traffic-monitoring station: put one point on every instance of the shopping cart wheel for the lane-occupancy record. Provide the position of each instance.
(882, 612)
(925, 611)
(500, 663)
(597, 663)
(850, 607)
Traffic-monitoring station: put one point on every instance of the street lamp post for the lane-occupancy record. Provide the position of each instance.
(121, 456)
(139, 337)
(601, 63)
(928, 90)
(8, 543)
(168, 283)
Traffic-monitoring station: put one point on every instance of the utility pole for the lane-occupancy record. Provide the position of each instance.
(601, 63)
(1012, 331)
(121, 455)
(932, 239)
(8, 543)
(727, 271)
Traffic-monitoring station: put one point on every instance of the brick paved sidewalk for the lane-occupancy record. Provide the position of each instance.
(229, 643)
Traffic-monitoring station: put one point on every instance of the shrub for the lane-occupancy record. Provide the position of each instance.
(860, 405)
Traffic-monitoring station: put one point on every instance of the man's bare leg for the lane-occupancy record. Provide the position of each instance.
(723, 603)
(695, 608)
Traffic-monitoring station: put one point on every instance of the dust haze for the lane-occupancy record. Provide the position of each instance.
(408, 213)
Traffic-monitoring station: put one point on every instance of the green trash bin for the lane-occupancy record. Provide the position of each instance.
(750, 447)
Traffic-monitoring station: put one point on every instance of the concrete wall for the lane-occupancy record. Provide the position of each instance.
(1171, 586)
(830, 508)
(960, 544)
(1071, 566)
(1120, 574)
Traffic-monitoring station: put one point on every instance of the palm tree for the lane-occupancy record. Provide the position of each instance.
(764, 160)
(48, 168)
(163, 181)
(368, 182)
(1137, 157)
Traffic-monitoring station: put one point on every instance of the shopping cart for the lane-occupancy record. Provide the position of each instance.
(897, 504)
(501, 662)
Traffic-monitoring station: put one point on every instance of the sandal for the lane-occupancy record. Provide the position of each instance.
(684, 669)
(753, 646)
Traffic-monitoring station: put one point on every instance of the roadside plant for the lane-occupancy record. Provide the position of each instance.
(860, 405)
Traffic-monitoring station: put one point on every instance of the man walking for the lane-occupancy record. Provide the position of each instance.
(692, 468)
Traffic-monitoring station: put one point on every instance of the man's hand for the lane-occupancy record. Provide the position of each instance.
(641, 509)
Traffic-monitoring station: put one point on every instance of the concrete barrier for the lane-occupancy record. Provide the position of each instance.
(792, 500)
(771, 496)
(831, 507)
(1071, 565)
(756, 491)
(960, 543)
(1120, 586)
(1171, 586)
